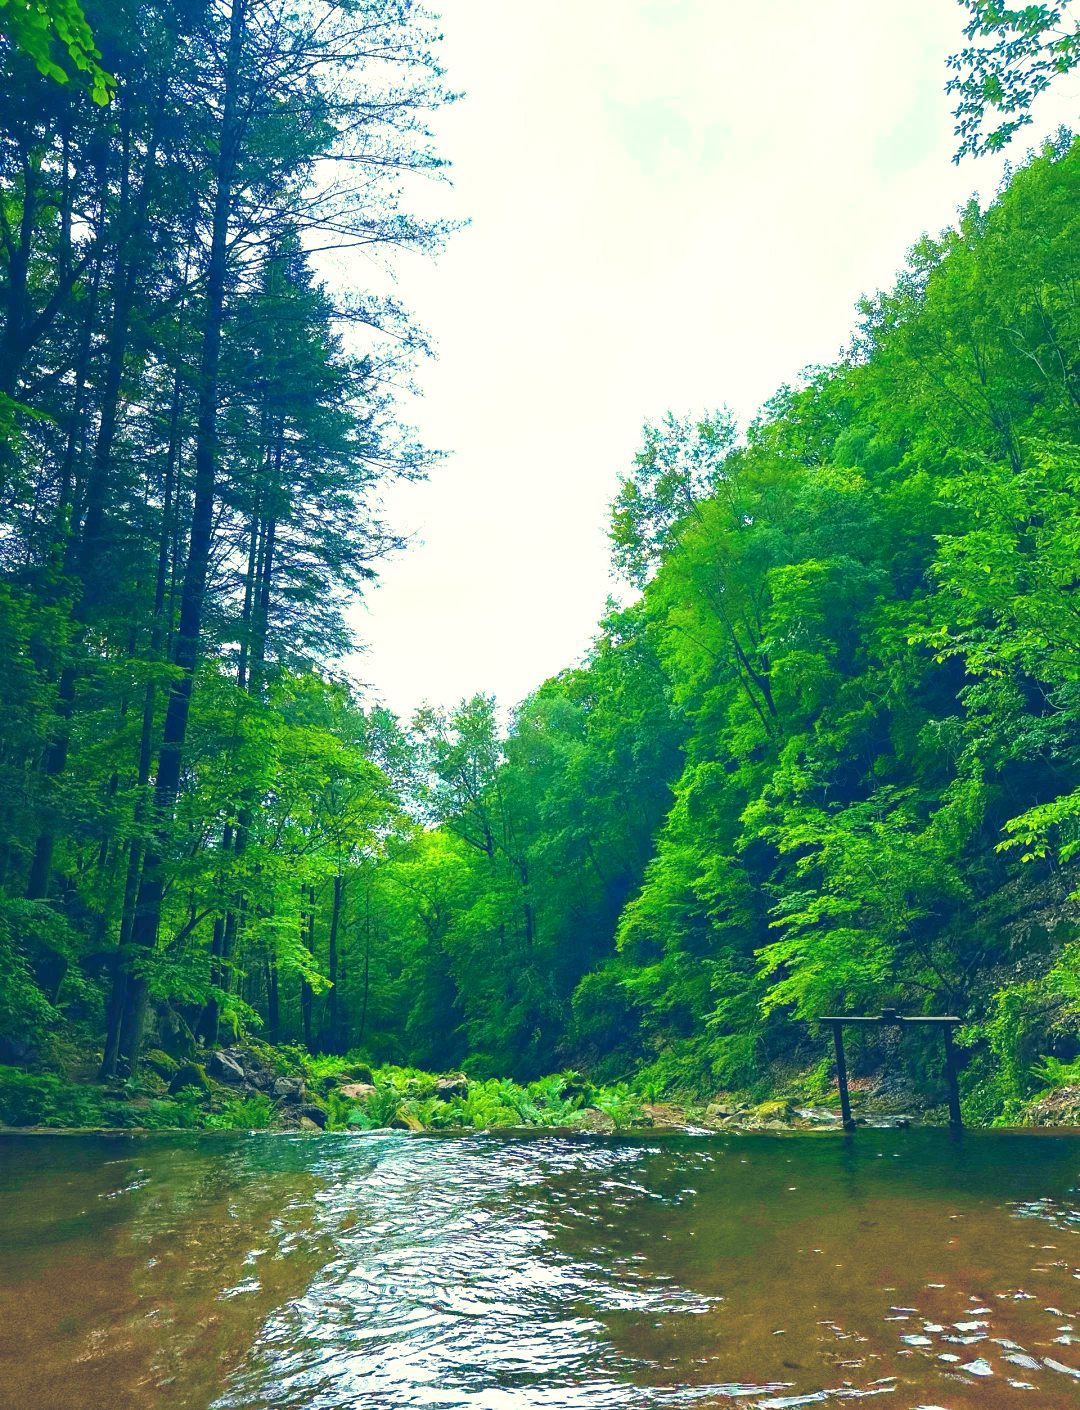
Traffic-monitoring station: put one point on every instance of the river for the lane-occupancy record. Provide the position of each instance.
(506, 1272)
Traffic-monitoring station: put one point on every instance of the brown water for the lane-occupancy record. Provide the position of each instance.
(511, 1273)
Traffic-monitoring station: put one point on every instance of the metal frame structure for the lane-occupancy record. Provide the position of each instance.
(890, 1018)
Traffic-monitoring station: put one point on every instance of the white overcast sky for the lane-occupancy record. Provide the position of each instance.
(674, 203)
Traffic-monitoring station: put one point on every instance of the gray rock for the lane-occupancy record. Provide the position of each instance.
(594, 1120)
(289, 1089)
(718, 1109)
(224, 1066)
(314, 1113)
(451, 1084)
(357, 1091)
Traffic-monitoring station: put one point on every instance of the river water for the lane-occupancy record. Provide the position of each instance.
(891, 1268)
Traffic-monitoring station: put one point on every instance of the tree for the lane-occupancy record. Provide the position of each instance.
(1029, 48)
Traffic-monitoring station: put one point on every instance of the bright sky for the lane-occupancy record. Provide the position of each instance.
(674, 203)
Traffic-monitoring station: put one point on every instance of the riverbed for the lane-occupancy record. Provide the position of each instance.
(504, 1272)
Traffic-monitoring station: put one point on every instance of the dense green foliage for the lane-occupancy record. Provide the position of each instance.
(827, 757)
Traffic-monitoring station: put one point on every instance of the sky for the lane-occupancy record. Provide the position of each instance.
(673, 204)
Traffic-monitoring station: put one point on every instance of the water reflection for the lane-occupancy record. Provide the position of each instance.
(449, 1290)
(546, 1271)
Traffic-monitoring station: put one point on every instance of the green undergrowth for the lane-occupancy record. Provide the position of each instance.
(402, 1096)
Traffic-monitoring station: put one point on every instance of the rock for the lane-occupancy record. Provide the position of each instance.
(451, 1084)
(719, 1109)
(289, 1089)
(818, 1115)
(774, 1111)
(662, 1114)
(306, 1124)
(262, 1080)
(314, 1113)
(188, 1074)
(1058, 1108)
(592, 1119)
(15, 1052)
(161, 1063)
(357, 1072)
(224, 1066)
(357, 1091)
(402, 1122)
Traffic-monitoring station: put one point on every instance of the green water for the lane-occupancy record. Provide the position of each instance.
(497, 1272)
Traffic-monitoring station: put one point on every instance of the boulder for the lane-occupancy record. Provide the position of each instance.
(357, 1072)
(592, 1119)
(161, 1063)
(306, 1124)
(774, 1111)
(289, 1089)
(314, 1113)
(17, 1052)
(451, 1084)
(188, 1074)
(402, 1122)
(224, 1066)
(357, 1091)
(718, 1110)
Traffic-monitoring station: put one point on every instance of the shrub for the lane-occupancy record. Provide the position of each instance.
(43, 1099)
(244, 1114)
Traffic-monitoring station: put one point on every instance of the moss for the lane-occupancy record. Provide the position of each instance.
(189, 1074)
(161, 1063)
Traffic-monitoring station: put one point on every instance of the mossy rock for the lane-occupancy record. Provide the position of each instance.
(359, 1072)
(190, 1074)
(161, 1063)
(774, 1111)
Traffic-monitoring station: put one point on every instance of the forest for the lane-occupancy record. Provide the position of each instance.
(823, 754)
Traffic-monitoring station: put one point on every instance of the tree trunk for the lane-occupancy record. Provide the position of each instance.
(186, 651)
(272, 1018)
(305, 987)
(332, 964)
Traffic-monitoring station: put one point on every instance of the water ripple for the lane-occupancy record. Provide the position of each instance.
(446, 1291)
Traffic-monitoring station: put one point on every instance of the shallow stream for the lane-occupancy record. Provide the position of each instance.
(891, 1268)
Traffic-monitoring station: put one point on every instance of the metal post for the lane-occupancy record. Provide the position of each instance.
(841, 1076)
(955, 1118)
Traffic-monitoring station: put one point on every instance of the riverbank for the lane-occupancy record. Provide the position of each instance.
(253, 1086)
